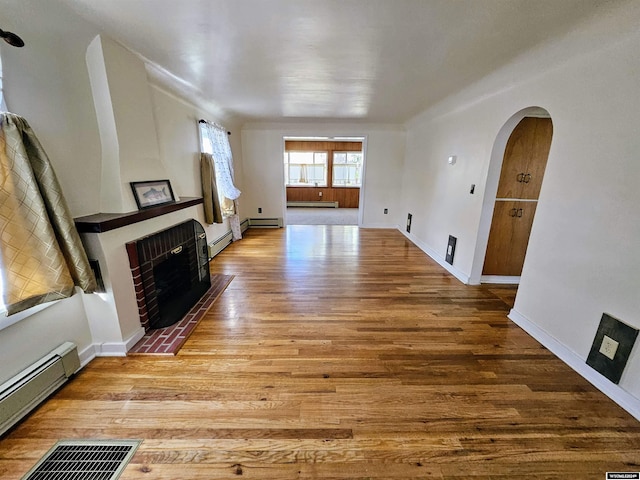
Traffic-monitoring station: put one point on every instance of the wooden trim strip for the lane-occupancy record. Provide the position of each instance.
(103, 222)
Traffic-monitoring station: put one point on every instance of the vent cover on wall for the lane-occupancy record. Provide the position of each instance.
(451, 249)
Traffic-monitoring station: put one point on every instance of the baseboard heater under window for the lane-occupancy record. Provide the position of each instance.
(318, 203)
(265, 222)
(225, 240)
(23, 392)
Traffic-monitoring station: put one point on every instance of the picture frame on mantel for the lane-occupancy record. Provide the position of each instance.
(152, 193)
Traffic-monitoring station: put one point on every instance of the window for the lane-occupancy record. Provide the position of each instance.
(3, 309)
(347, 168)
(214, 140)
(305, 169)
(3, 108)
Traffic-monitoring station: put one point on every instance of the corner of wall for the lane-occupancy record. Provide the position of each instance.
(460, 275)
(623, 398)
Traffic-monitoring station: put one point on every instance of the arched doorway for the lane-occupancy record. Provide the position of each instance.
(515, 175)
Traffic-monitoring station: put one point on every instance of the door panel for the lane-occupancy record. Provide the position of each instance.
(508, 238)
(522, 223)
(540, 147)
(516, 158)
(499, 247)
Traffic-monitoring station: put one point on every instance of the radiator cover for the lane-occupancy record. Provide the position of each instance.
(24, 391)
(266, 222)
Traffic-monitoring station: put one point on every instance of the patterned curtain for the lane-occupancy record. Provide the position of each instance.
(216, 142)
(212, 210)
(41, 256)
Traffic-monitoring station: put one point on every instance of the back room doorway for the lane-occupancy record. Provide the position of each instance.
(323, 180)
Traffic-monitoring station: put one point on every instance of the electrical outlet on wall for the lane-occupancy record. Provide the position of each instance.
(609, 347)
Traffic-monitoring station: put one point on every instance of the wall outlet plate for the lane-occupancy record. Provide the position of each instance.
(611, 347)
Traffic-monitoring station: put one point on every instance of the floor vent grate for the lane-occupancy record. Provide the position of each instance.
(84, 460)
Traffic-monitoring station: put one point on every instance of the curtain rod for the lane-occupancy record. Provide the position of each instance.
(202, 120)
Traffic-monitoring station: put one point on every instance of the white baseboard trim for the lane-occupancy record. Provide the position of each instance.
(87, 355)
(623, 398)
(463, 277)
(378, 225)
(500, 279)
(119, 349)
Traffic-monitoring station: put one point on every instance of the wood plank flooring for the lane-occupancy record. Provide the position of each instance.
(341, 353)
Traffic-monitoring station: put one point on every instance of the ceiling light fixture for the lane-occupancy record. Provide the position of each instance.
(11, 38)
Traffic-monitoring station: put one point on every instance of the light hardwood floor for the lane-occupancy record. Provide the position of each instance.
(342, 353)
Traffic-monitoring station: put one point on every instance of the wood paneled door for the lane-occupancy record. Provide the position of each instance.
(525, 159)
(523, 166)
(509, 237)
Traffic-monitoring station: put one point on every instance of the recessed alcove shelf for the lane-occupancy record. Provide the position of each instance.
(103, 222)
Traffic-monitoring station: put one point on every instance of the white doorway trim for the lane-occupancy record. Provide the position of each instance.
(338, 137)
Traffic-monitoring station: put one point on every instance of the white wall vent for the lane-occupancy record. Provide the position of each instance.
(23, 392)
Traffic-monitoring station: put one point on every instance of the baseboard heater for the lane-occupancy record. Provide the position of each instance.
(23, 392)
(265, 222)
(219, 244)
(225, 240)
(318, 203)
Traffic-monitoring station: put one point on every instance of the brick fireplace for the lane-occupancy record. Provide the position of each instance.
(170, 270)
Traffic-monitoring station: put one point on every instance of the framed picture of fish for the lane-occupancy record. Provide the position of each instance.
(152, 193)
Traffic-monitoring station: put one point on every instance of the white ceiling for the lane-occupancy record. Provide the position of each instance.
(365, 60)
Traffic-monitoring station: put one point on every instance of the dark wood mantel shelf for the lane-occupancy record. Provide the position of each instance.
(103, 222)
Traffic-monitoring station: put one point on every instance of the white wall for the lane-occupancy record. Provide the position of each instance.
(583, 258)
(47, 83)
(122, 99)
(24, 342)
(262, 149)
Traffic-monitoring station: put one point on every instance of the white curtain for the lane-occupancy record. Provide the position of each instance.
(3, 106)
(216, 142)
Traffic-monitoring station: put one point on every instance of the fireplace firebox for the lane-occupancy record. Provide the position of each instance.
(170, 270)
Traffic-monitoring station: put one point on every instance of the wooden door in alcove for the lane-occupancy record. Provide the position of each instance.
(523, 166)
